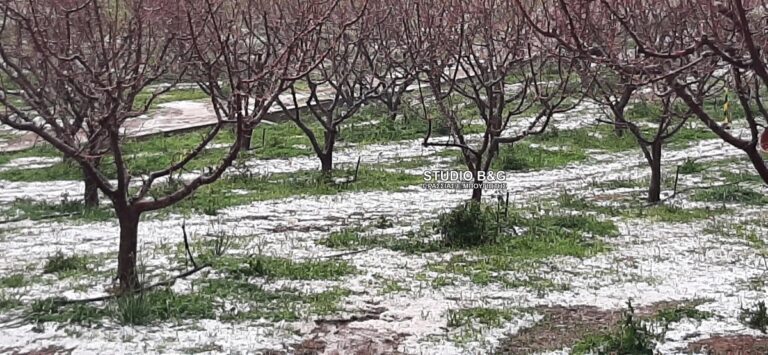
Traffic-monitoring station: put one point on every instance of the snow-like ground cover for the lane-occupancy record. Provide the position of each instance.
(403, 302)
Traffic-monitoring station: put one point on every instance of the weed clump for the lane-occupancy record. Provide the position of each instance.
(137, 309)
(632, 338)
(470, 224)
(60, 264)
(691, 166)
(8, 302)
(756, 318)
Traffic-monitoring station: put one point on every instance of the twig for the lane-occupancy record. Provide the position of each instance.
(677, 177)
(186, 243)
(263, 137)
(141, 290)
(333, 256)
(357, 168)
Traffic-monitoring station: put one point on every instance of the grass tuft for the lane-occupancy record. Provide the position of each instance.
(731, 194)
(61, 264)
(755, 317)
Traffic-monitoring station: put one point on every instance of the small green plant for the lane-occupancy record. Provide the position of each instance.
(469, 224)
(731, 194)
(383, 222)
(15, 280)
(344, 239)
(37, 210)
(631, 338)
(8, 302)
(756, 318)
(137, 309)
(52, 310)
(60, 264)
(676, 314)
(161, 305)
(526, 157)
(490, 317)
(691, 166)
(280, 268)
(392, 286)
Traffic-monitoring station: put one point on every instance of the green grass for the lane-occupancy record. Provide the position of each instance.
(161, 305)
(667, 213)
(524, 157)
(279, 305)
(412, 126)
(145, 155)
(280, 268)
(392, 286)
(50, 310)
(545, 235)
(63, 265)
(633, 337)
(676, 314)
(490, 317)
(739, 177)
(633, 209)
(140, 309)
(755, 317)
(13, 281)
(691, 166)
(36, 210)
(8, 302)
(600, 137)
(43, 150)
(731, 194)
(170, 96)
(209, 199)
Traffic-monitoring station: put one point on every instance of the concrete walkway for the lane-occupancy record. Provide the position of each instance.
(171, 117)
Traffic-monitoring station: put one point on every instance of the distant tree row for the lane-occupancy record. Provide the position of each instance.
(71, 72)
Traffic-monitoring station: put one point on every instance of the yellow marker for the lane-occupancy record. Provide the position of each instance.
(726, 124)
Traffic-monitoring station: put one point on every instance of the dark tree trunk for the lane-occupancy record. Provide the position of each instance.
(247, 138)
(326, 162)
(126, 257)
(619, 126)
(91, 196)
(654, 190)
(759, 163)
(326, 157)
(477, 194)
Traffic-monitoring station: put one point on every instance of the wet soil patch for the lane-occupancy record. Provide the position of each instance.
(563, 327)
(732, 344)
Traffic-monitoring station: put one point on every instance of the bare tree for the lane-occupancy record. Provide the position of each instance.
(386, 58)
(611, 62)
(80, 65)
(707, 44)
(490, 44)
(338, 87)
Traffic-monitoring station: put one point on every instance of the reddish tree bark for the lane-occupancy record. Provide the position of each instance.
(489, 44)
(79, 67)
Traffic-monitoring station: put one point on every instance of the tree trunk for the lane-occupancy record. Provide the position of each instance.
(247, 138)
(91, 196)
(619, 126)
(326, 157)
(758, 163)
(654, 191)
(326, 162)
(477, 194)
(126, 257)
